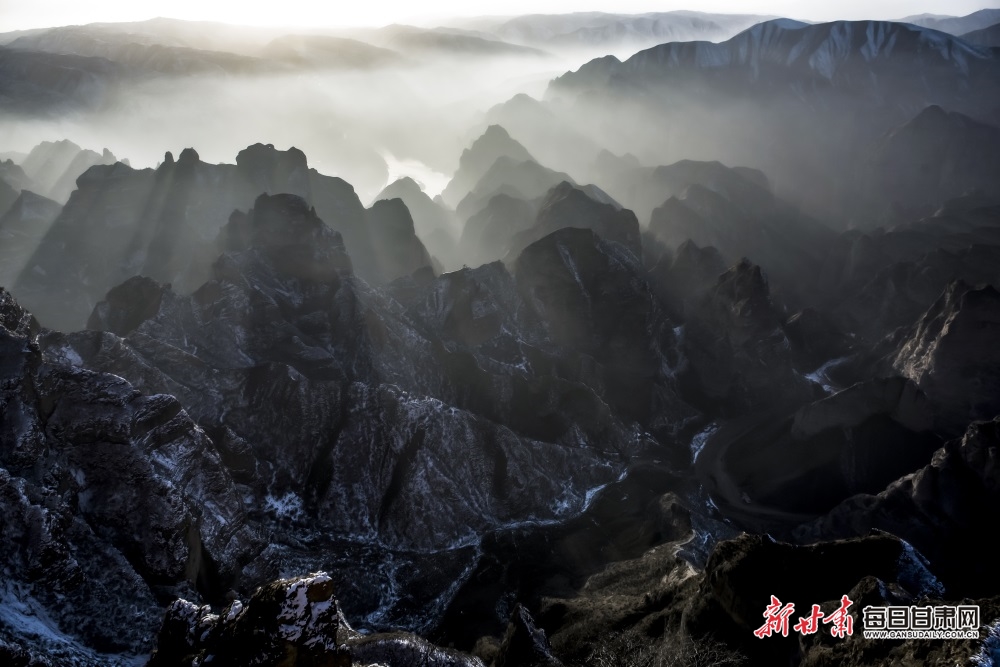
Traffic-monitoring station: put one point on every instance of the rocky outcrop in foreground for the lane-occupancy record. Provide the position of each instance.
(294, 621)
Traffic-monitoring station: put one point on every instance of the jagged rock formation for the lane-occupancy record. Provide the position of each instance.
(951, 354)
(162, 223)
(518, 393)
(295, 619)
(657, 606)
(646, 188)
(735, 349)
(313, 391)
(13, 175)
(54, 166)
(112, 500)
(593, 298)
(525, 643)
(548, 458)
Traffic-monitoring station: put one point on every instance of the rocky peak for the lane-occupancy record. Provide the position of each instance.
(476, 160)
(188, 156)
(736, 346)
(569, 276)
(397, 249)
(492, 144)
(15, 320)
(273, 171)
(286, 229)
(523, 179)
(400, 187)
(745, 289)
(594, 300)
(525, 644)
(567, 205)
(434, 224)
(298, 616)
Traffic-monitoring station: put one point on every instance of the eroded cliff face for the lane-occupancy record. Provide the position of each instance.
(286, 415)
(114, 502)
(951, 354)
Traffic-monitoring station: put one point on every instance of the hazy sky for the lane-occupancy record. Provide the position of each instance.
(18, 14)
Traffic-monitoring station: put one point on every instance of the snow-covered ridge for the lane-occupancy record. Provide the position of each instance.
(822, 50)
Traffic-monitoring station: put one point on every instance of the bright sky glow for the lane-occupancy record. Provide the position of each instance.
(21, 14)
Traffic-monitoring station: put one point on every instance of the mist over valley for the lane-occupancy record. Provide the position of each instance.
(549, 339)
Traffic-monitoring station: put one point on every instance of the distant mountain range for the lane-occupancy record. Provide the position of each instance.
(803, 102)
(984, 36)
(956, 25)
(586, 30)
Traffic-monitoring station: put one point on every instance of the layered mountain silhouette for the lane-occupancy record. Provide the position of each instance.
(989, 36)
(587, 377)
(935, 157)
(162, 223)
(801, 101)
